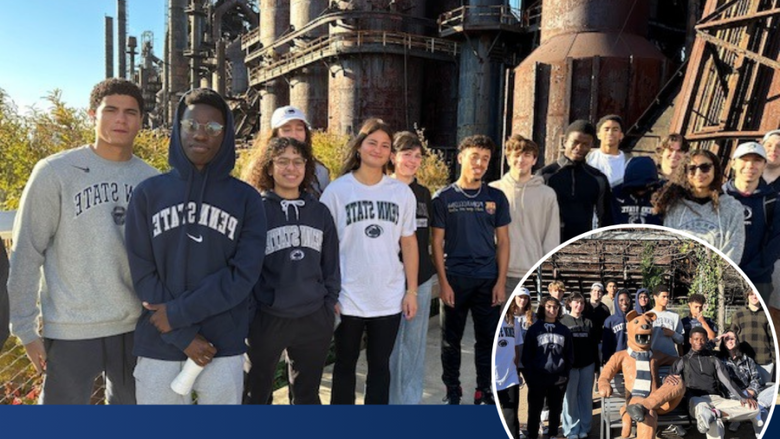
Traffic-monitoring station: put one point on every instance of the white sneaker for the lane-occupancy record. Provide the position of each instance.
(704, 417)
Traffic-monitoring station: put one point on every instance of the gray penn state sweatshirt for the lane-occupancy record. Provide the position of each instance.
(68, 249)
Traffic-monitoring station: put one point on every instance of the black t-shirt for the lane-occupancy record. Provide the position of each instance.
(424, 210)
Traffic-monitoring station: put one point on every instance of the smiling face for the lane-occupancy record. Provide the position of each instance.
(521, 162)
(474, 163)
(295, 129)
(624, 302)
(375, 150)
(288, 170)
(749, 168)
(703, 173)
(407, 162)
(117, 121)
(698, 340)
(201, 144)
(672, 156)
(576, 307)
(772, 148)
(577, 146)
(753, 299)
(643, 299)
(610, 134)
(521, 301)
(551, 311)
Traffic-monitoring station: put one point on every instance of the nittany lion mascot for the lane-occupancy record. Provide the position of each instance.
(645, 397)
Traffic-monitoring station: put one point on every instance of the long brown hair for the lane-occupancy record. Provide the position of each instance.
(260, 175)
(405, 141)
(679, 187)
(372, 125)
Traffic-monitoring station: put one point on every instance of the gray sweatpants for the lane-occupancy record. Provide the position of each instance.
(220, 382)
(73, 365)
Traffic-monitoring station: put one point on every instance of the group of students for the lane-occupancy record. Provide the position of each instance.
(558, 349)
(740, 216)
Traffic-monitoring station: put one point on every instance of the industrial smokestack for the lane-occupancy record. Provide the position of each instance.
(177, 43)
(132, 43)
(109, 47)
(121, 17)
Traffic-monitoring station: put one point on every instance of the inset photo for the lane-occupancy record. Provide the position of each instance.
(635, 332)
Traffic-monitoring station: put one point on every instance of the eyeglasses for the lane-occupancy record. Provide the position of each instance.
(284, 163)
(704, 168)
(212, 128)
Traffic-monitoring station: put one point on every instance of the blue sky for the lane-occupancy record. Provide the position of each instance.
(48, 44)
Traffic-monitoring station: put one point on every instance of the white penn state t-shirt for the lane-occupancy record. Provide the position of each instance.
(505, 370)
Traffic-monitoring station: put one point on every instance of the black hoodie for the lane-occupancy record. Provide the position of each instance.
(301, 267)
(195, 242)
(548, 352)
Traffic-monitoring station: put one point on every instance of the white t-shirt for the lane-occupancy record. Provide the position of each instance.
(371, 221)
(613, 166)
(661, 343)
(508, 338)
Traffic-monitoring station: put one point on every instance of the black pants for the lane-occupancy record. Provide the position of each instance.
(475, 295)
(538, 389)
(306, 340)
(381, 332)
(509, 399)
(73, 365)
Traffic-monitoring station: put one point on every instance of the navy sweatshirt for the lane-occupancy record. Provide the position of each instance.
(581, 190)
(195, 242)
(548, 352)
(762, 240)
(301, 268)
(615, 337)
(628, 206)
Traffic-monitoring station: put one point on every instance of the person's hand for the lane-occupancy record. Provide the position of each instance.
(700, 318)
(749, 402)
(37, 354)
(668, 332)
(160, 317)
(337, 309)
(446, 295)
(409, 306)
(499, 294)
(606, 391)
(672, 380)
(751, 393)
(200, 351)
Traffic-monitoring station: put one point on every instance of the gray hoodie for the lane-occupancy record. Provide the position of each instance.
(68, 248)
(535, 229)
(723, 227)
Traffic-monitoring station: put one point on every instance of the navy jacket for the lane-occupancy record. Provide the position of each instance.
(615, 337)
(762, 240)
(581, 190)
(301, 268)
(195, 242)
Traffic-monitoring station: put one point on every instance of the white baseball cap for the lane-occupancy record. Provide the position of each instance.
(750, 148)
(285, 114)
(522, 291)
(770, 134)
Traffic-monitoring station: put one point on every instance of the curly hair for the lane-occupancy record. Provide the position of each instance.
(480, 141)
(261, 176)
(115, 86)
(372, 125)
(679, 186)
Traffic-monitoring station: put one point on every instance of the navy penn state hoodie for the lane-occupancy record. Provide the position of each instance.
(195, 242)
(615, 337)
(301, 272)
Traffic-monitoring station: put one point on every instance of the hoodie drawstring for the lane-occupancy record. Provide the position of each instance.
(294, 203)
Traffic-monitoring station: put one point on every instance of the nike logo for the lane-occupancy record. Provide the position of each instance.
(198, 239)
(79, 167)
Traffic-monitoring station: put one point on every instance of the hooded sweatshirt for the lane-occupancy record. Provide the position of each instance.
(581, 190)
(722, 227)
(196, 241)
(615, 337)
(535, 229)
(703, 374)
(762, 240)
(548, 353)
(628, 207)
(639, 308)
(301, 265)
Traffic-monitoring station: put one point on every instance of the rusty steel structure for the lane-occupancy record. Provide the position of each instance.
(732, 84)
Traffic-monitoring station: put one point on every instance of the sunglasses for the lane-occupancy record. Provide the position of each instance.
(704, 168)
(212, 128)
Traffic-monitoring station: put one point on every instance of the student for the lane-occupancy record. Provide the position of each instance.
(761, 217)
(407, 362)
(695, 318)
(535, 228)
(615, 336)
(696, 204)
(667, 327)
(289, 121)
(578, 399)
(670, 155)
(195, 240)
(509, 349)
(525, 316)
(300, 282)
(375, 219)
(470, 226)
(751, 325)
(548, 356)
(609, 299)
(642, 301)
(609, 159)
(581, 189)
(703, 375)
(596, 311)
(4, 329)
(76, 201)
(771, 144)
(632, 200)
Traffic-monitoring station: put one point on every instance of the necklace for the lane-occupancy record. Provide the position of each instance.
(463, 191)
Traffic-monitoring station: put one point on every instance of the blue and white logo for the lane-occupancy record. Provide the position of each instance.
(297, 255)
(374, 231)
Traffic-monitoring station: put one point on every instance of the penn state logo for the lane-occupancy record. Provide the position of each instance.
(502, 343)
(297, 255)
(374, 231)
(748, 213)
(490, 207)
(118, 214)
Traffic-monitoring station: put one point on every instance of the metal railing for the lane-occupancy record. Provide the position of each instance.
(480, 16)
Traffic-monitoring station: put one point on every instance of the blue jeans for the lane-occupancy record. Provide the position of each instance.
(407, 362)
(578, 402)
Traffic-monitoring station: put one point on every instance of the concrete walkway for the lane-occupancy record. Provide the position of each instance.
(434, 391)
